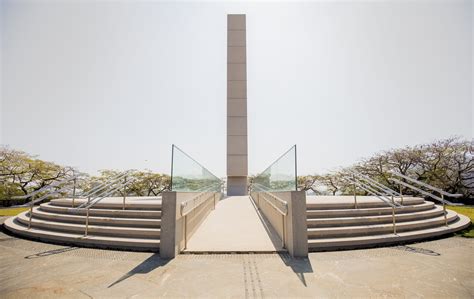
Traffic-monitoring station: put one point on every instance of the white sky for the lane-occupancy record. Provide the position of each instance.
(114, 84)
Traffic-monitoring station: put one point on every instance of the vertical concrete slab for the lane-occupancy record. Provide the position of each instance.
(168, 244)
(297, 231)
(237, 168)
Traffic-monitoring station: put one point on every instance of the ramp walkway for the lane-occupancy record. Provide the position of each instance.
(235, 226)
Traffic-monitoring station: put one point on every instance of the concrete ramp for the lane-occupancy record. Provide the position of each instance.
(235, 226)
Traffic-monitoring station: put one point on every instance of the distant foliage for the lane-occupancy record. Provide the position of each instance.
(447, 164)
(21, 173)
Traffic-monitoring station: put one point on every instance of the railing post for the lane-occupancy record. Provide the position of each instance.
(124, 191)
(444, 211)
(401, 194)
(355, 195)
(31, 213)
(393, 219)
(214, 197)
(73, 192)
(87, 222)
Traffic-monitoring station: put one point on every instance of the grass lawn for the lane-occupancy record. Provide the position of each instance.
(12, 211)
(469, 212)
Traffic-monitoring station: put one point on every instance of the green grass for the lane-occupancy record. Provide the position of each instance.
(469, 212)
(12, 211)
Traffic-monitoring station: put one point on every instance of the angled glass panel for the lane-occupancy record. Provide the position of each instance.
(187, 175)
(280, 175)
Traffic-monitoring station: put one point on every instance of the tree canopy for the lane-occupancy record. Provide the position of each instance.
(447, 164)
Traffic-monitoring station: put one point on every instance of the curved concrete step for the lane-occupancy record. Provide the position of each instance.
(331, 232)
(114, 203)
(115, 213)
(377, 219)
(95, 220)
(362, 202)
(351, 212)
(128, 232)
(79, 240)
(387, 239)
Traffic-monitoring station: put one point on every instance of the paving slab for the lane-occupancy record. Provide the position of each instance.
(435, 269)
(235, 225)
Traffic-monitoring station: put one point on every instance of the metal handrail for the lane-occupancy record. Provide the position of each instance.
(442, 192)
(380, 196)
(42, 189)
(93, 202)
(374, 183)
(375, 193)
(441, 199)
(105, 184)
(89, 204)
(54, 192)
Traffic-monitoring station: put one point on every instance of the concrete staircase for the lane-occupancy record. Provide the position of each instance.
(335, 223)
(137, 227)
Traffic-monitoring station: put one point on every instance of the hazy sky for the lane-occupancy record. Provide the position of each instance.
(113, 84)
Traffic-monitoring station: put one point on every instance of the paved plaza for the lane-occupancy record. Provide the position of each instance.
(436, 269)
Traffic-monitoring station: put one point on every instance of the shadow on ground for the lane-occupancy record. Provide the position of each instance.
(299, 266)
(50, 252)
(417, 250)
(148, 265)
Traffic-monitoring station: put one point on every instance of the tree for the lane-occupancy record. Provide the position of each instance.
(447, 164)
(21, 173)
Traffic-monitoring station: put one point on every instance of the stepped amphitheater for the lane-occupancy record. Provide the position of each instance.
(135, 226)
(333, 223)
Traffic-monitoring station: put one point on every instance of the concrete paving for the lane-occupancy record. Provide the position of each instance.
(436, 269)
(235, 225)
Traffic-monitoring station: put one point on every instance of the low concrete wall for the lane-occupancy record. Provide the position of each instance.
(295, 230)
(173, 225)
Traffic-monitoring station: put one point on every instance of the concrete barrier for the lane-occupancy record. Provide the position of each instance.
(177, 229)
(291, 228)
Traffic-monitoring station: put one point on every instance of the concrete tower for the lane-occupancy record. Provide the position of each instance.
(236, 106)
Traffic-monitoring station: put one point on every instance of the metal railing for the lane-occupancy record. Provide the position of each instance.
(419, 190)
(368, 187)
(104, 194)
(55, 184)
(47, 187)
(384, 189)
(97, 190)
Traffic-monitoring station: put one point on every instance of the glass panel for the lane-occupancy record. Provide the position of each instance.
(280, 175)
(187, 175)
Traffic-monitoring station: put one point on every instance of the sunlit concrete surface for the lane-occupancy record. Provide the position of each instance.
(145, 200)
(436, 269)
(235, 225)
(349, 199)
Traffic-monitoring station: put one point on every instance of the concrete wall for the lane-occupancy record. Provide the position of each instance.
(172, 237)
(296, 235)
(237, 159)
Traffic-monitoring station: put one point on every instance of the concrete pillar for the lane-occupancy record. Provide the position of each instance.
(237, 159)
(171, 230)
(297, 227)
